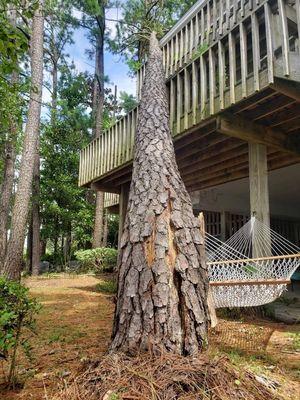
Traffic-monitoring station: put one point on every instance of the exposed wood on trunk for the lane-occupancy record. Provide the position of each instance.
(162, 283)
(14, 254)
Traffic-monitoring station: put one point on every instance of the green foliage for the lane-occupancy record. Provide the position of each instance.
(127, 102)
(108, 286)
(17, 318)
(139, 19)
(200, 51)
(102, 259)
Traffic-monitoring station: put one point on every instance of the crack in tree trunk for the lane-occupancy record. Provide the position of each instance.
(162, 282)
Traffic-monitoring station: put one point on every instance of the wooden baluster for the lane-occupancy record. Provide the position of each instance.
(181, 48)
(89, 163)
(214, 20)
(297, 6)
(221, 18)
(191, 38)
(168, 59)
(285, 37)
(270, 53)
(203, 85)
(196, 30)
(244, 60)
(221, 57)
(202, 26)
(172, 57)
(195, 89)
(102, 154)
(179, 103)
(105, 152)
(232, 66)
(98, 156)
(227, 14)
(109, 149)
(255, 50)
(186, 98)
(128, 118)
(208, 22)
(132, 132)
(81, 166)
(125, 139)
(212, 81)
(186, 41)
(234, 16)
(250, 3)
(172, 105)
(242, 8)
(176, 58)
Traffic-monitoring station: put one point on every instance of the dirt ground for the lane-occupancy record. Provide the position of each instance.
(74, 326)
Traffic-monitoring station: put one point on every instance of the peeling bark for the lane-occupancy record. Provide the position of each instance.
(162, 282)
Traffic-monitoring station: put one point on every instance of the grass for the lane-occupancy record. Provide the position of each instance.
(107, 286)
(295, 336)
(64, 334)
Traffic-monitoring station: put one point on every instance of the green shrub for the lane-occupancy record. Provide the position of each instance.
(109, 286)
(17, 319)
(102, 259)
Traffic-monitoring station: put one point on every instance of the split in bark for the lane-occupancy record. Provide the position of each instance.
(162, 282)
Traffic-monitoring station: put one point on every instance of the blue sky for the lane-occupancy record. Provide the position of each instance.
(113, 65)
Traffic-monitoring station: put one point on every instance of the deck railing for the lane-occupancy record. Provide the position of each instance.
(243, 45)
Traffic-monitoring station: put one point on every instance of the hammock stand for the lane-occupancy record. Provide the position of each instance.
(237, 279)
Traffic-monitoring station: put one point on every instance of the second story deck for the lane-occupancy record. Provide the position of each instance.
(233, 76)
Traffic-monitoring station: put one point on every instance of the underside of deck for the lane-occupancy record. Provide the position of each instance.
(216, 150)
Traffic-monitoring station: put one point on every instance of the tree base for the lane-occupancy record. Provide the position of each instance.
(167, 377)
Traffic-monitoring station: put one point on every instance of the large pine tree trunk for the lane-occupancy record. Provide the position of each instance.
(98, 102)
(162, 283)
(9, 164)
(14, 254)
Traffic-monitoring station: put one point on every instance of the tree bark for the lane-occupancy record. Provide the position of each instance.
(9, 166)
(98, 101)
(36, 221)
(162, 282)
(14, 254)
(105, 229)
(98, 223)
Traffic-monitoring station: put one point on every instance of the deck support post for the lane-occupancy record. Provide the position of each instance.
(259, 194)
(123, 201)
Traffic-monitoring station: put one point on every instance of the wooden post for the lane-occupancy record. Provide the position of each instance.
(210, 299)
(259, 192)
(123, 201)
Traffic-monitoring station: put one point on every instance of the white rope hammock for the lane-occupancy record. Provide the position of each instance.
(252, 267)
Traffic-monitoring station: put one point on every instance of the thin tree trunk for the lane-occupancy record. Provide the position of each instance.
(14, 254)
(105, 229)
(162, 282)
(98, 101)
(98, 223)
(6, 194)
(36, 223)
(9, 167)
(29, 247)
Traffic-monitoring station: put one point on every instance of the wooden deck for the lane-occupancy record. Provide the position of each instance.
(233, 76)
